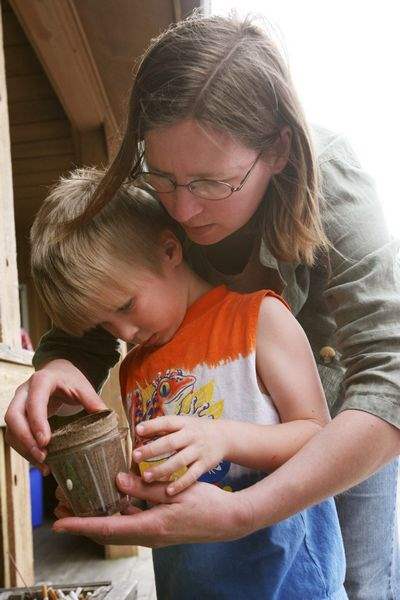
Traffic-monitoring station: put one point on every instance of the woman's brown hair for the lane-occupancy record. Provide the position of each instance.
(229, 75)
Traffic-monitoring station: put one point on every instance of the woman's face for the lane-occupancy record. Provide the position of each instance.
(186, 151)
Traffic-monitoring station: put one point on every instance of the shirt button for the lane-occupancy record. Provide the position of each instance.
(327, 353)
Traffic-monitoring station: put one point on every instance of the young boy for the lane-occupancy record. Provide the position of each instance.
(225, 382)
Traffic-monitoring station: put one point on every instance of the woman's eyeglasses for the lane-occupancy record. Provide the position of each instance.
(208, 189)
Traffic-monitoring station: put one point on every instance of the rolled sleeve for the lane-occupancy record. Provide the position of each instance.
(363, 291)
(94, 354)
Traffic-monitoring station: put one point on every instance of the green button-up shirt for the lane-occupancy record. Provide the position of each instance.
(352, 307)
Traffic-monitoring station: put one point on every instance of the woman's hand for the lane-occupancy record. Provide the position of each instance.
(58, 382)
(201, 513)
(63, 509)
(198, 444)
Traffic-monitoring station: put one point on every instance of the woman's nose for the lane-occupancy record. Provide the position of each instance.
(182, 205)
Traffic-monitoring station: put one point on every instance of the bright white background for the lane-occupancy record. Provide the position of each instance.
(345, 61)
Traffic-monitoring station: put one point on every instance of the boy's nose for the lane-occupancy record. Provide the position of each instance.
(123, 331)
(127, 332)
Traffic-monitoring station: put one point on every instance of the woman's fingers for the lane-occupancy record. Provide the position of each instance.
(186, 480)
(155, 493)
(62, 511)
(61, 497)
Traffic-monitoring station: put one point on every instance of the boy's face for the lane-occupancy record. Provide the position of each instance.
(151, 306)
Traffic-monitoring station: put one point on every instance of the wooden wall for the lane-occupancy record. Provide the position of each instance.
(42, 147)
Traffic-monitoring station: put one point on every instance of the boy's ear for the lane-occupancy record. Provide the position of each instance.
(171, 249)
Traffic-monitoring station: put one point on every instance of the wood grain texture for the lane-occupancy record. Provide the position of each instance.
(56, 33)
(9, 299)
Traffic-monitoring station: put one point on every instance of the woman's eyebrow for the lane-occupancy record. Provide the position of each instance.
(203, 175)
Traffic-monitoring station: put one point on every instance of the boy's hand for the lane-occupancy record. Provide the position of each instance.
(196, 443)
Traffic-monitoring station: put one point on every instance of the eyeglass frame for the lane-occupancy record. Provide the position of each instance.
(232, 188)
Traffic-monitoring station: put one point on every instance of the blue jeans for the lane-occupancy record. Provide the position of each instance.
(368, 519)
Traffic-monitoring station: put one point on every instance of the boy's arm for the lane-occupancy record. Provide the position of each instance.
(286, 366)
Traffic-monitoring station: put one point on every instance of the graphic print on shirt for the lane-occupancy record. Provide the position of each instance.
(174, 393)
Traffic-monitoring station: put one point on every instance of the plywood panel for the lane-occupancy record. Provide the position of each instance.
(15, 513)
(5, 575)
(36, 179)
(11, 376)
(41, 130)
(19, 518)
(13, 33)
(9, 301)
(55, 31)
(21, 61)
(32, 165)
(52, 147)
(28, 87)
(30, 192)
(35, 110)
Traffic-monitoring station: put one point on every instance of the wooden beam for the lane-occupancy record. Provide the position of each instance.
(16, 529)
(48, 163)
(9, 299)
(5, 575)
(91, 147)
(57, 35)
(18, 518)
(11, 376)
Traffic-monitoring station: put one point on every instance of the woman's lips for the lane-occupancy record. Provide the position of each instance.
(198, 228)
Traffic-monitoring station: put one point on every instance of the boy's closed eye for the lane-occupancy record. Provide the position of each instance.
(127, 306)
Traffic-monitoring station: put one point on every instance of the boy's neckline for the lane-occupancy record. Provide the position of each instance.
(203, 303)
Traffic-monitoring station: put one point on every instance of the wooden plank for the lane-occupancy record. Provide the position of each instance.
(5, 578)
(19, 518)
(15, 516)
(29, 87)
(91, 147)
(35, 179)
(21, 60)
(42, 130)
(29, 192)
(56, 33)
(13, 32)
(32, 165)
(9, 297)
(113, 552)
(36, 110)
(11, 376)
(18, 357)
(55, 147)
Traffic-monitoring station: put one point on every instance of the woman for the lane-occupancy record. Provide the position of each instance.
(215, 128)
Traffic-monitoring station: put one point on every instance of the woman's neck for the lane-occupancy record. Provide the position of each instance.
(231, 255)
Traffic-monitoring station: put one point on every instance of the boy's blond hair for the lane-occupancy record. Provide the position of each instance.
(72, 267)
